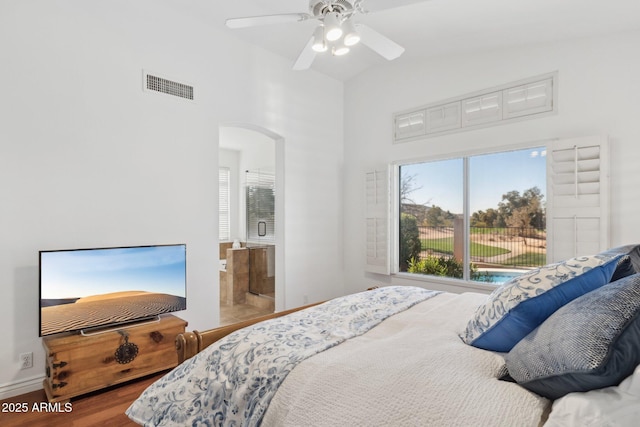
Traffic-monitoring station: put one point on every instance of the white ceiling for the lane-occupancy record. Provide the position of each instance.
(431, 28)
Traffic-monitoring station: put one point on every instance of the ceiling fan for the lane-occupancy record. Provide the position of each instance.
(336, 32)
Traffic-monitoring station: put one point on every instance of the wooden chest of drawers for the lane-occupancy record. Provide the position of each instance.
(79, 364)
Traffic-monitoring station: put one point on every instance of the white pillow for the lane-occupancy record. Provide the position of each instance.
(611, 406)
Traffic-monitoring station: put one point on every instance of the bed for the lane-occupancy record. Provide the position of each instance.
(401, 355)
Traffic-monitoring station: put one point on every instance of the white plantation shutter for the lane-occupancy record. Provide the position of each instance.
(410, 124)
(377, 204)
(531, 98)
(526, 99)
(224, 228)
(443, 117)
(578, 181)
(482, 109)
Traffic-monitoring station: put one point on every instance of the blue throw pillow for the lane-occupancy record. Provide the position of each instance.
(590, 343)
(520, 305)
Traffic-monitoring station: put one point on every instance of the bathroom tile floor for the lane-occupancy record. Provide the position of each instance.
(237, 313)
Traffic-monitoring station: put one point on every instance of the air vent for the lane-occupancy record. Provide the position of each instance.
(159, 84)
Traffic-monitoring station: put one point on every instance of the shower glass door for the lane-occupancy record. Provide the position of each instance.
(260, 202)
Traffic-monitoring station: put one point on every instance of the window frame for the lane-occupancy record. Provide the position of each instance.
(394, 232)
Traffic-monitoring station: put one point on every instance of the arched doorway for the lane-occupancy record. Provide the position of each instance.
(251, 278)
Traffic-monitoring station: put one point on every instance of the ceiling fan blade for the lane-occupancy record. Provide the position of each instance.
(380, 44)
(252, 21)
(376, 5)
(306, 57)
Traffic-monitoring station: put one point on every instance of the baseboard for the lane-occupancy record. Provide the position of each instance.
(22, 386)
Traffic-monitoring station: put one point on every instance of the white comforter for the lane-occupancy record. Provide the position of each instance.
(411, 370)
(232, 381)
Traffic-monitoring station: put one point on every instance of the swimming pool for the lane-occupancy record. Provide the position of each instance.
(496, 276)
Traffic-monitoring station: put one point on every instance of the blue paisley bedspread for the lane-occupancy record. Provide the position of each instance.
(231, 382)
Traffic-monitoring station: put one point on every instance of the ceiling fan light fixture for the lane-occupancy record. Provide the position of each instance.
(336, 30)
(332, 26)
(339, 50)
(351, 35)
(319, 44)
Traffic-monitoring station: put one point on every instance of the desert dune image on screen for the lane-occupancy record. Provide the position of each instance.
(88, 288)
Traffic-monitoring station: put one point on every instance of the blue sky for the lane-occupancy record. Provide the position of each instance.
(75, 274)
(491, 176)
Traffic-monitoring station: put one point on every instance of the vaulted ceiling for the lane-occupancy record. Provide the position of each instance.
(431, 28)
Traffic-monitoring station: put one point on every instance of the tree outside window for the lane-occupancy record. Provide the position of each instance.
(505, 230)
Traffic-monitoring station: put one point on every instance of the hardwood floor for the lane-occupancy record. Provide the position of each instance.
(104, 408)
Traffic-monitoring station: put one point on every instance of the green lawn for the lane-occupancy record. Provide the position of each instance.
(531, 233)
(445, 245)
(527, 259)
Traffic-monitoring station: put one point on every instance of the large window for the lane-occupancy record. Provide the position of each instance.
(480, 218)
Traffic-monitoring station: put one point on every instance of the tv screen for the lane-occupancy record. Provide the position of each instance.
(90, 288)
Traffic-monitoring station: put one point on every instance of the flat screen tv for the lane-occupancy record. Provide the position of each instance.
(82, 289)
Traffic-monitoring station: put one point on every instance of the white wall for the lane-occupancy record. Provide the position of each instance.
(87, 159)
(598, 88)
